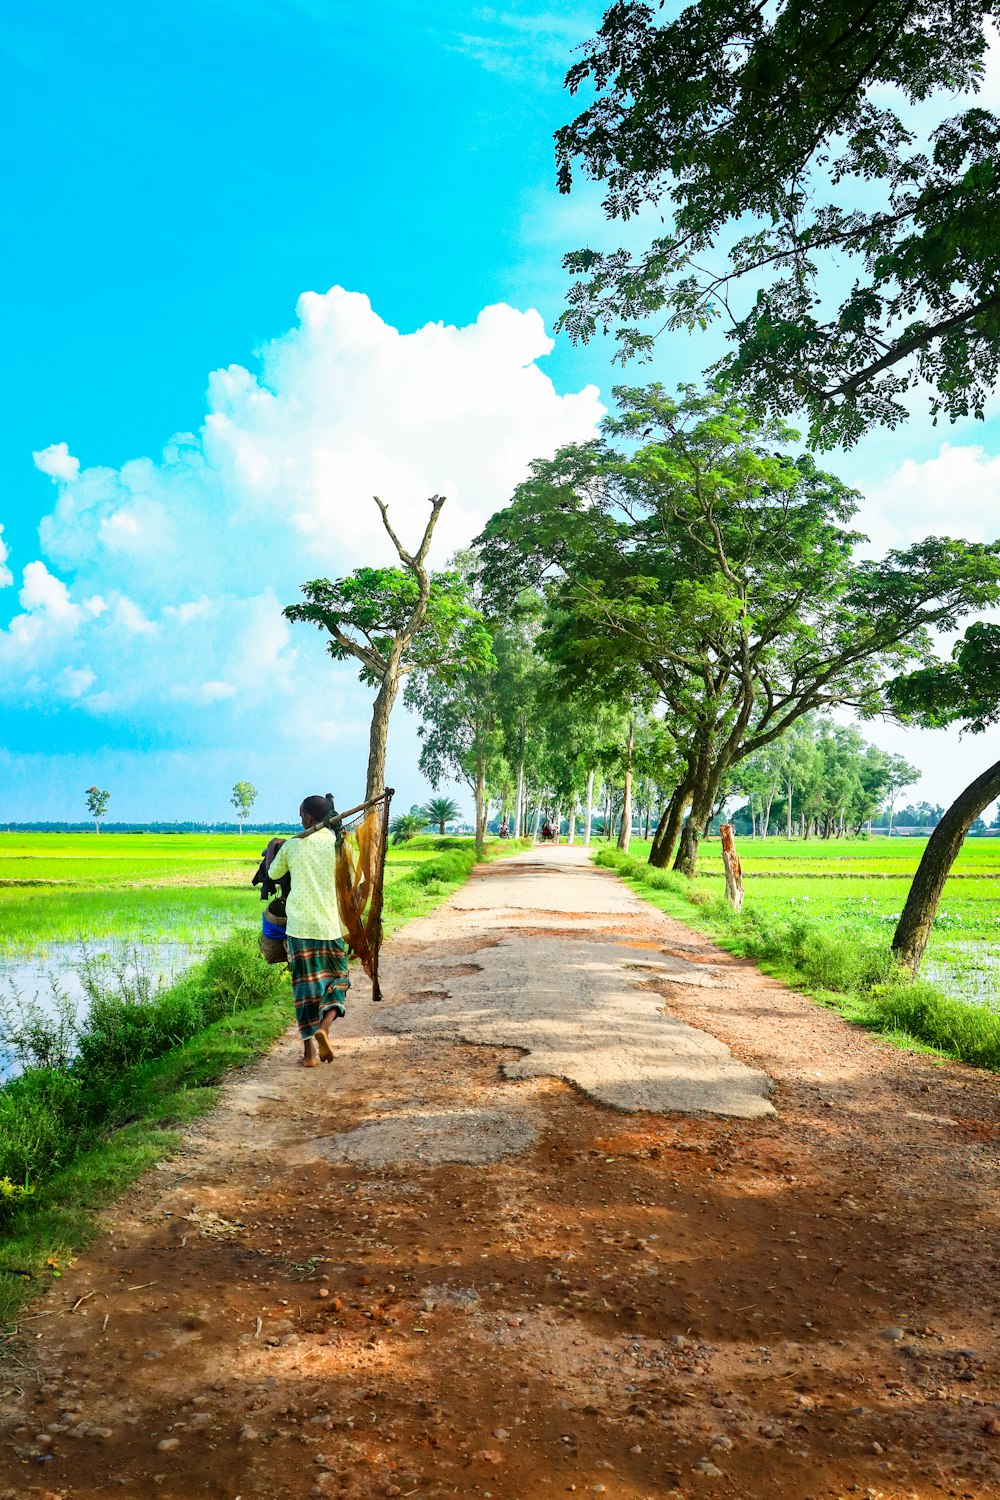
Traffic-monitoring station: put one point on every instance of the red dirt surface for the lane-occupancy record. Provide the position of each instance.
(804, 1306)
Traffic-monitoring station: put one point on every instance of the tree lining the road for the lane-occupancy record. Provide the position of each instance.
(871, 264)
(701, 559)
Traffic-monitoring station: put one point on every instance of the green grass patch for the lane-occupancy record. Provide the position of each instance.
(118, 907)
(35, 919)
(846, 965)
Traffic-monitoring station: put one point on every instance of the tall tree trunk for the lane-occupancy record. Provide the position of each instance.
(379, 736)
(649, 813)
(590, 807)
(706, 784)
(571, 825)
(669, 826)
(625, 833)
(914, 927)
(538, 818)
(892, 809)
(518, 808)
(480, 806)
(767, 813)
(557, 822)
(788, 823)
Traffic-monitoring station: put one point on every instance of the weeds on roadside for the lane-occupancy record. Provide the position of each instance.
(850, 968)
(35, 1036)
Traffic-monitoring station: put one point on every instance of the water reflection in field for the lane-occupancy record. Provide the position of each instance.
(60, 979)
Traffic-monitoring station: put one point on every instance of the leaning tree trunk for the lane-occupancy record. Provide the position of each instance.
(702, 810)
(378, 739)
(914, 927)
(669, 826)
(590, 807)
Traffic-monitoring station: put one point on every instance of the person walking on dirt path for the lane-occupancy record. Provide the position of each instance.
(317, 954)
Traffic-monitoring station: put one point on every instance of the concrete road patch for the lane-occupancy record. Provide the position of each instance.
(584, 1012)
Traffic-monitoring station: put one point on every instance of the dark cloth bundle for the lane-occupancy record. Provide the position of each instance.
(270, 888)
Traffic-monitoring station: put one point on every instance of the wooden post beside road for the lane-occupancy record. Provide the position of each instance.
(734, 870)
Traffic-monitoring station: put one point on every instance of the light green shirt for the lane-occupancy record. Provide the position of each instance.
(311, 907)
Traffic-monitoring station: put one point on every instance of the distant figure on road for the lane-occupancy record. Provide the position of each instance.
(548, 832)
(316, 950)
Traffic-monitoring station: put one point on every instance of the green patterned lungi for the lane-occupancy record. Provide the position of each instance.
(320, 980)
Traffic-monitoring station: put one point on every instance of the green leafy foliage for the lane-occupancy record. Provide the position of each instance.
(12, 1197)
(406, 826)
(97, 803)
(965, 689)
(701, 562)
(243, 798)
(441, 810)
(872, 260)
(365, 611)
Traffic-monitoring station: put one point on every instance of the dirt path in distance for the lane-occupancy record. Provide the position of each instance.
(436, 1269)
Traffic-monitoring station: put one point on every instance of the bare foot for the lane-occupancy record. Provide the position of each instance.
(310, 1061)
(323, 1043)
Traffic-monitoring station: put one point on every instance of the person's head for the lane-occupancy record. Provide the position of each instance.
(314, 810)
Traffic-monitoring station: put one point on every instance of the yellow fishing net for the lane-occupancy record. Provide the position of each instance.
(361, 850)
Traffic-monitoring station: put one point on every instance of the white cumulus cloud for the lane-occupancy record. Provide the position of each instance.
(6, 576)
(57, 461)
(159, 590)
(956, 494)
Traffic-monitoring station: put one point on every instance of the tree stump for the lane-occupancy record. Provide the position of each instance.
(734, 870)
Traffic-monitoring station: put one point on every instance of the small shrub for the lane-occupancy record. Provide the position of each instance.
(12, 1196)
(235, 977)
(120, 1032)
(920, 1010)
(40, 1121)
(39, 1036)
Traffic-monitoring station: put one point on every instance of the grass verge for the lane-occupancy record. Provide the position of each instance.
(848, 970)
(77, 1129)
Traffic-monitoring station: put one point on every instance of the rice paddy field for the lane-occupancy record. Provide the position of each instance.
(135, 911)
(861, 885)
(139, 888)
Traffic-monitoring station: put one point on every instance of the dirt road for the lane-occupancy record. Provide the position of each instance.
(490, 1253)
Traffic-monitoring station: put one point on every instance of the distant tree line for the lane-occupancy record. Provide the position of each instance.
(178, 827)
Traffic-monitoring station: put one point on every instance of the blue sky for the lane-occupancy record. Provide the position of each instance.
(176, 178)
